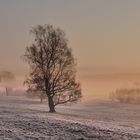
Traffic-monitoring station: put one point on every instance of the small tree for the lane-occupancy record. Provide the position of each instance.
(52, 66)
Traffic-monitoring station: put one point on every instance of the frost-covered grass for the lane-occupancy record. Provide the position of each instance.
(26, 119)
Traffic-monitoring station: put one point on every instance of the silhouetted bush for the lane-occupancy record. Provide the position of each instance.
(126, 96)
(42, 96)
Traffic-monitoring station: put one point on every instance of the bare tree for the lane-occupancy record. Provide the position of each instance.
(52, 66)
(37, 94)
(6, 76)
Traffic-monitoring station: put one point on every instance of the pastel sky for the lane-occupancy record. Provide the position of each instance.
(104, 34)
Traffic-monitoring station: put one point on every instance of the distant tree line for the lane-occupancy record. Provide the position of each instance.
(126, 95)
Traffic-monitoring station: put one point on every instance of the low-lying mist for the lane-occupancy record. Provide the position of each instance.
(94, 86)
(99, 86)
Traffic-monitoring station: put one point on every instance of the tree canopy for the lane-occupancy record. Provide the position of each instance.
(52, 66)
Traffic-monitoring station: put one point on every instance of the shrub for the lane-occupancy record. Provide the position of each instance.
(126, 96)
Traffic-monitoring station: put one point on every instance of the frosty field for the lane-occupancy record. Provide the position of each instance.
(26, 119)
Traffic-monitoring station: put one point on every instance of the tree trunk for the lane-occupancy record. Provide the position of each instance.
(51, 104)
(6, 91)
(41, 98)
(50, 98)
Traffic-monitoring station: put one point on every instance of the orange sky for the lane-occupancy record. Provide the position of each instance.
(104, 35)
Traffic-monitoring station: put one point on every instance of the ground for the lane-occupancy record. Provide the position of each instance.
(25, 119)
